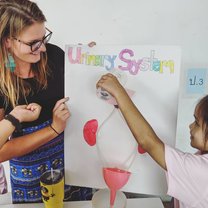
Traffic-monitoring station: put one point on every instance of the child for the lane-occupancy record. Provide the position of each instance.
(186, 173)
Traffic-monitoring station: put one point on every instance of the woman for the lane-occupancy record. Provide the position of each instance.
(31, 71)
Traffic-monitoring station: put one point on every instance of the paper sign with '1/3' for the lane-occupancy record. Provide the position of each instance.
(196, 81)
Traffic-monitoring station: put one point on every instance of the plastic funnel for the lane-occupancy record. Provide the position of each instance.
(115, 179)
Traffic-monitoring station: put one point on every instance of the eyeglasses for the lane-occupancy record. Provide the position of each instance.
(35, 45)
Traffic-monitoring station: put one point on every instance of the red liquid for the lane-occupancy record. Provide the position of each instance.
(115, 179)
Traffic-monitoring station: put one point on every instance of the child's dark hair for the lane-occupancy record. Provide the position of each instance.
(202, 111)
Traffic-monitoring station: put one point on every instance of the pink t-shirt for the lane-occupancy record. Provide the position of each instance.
(187, 178)
(3, 182)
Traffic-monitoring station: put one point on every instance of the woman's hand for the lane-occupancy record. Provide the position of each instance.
(60, 115)
(26, 113)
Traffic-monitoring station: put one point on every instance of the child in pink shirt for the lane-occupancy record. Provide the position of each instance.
(186, 173)
(187, 178)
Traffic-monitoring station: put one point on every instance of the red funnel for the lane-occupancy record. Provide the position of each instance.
(115, 179)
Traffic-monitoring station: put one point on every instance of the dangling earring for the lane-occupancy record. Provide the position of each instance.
(10, 64)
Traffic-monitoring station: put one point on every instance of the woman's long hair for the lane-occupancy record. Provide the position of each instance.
(17, 15)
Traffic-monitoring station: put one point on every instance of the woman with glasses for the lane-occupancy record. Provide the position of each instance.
(32, 70)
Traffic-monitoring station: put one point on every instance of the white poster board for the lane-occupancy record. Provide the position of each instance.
(153, 73)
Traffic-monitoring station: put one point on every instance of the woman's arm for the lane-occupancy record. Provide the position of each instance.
(21, 113)
(25, 144)
(140, 128)
(6, 129)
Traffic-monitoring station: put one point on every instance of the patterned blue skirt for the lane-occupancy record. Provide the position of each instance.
(25, 171)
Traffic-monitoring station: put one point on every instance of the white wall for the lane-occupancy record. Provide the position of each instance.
(180, 22)
(169, 22)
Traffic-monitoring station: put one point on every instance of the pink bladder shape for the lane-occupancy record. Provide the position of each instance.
(115, 179)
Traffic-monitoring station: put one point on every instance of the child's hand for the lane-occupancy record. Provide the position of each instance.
(111, 84)
(60, 115)
(26, 113)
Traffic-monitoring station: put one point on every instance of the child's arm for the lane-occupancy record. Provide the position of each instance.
(140, 128)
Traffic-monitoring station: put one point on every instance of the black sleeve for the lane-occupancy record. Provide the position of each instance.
(2, 101)
(56, 65)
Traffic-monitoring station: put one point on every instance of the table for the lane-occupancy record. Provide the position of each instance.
(5, 202)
